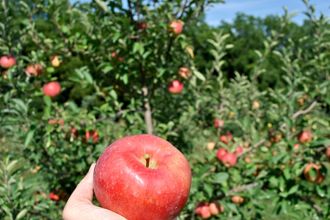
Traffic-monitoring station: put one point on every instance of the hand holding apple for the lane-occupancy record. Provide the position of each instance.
(142, 177)
(80, 206)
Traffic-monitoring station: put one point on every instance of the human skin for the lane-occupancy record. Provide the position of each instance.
(80, 206)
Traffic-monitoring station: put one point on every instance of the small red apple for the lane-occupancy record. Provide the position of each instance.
(218, 123)
(142, 25)
(229, 160)
(314, 179)
(74, 132)
(305, 136)
(54, 196)
(51, 89)
(184, 72)
(114, 54)
(226, 138)
(237, 199)
(214, 208)
(175, 87)
(296, 146)
(7, 61)
(239, 151)
(92, 135)
(221, 153)
(176, 26)
(34, 70)
(205, 212)
(142, 177)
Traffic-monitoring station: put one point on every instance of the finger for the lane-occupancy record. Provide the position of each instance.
(84, 190)
(91, 212)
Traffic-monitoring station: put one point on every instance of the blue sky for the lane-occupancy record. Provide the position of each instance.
(260, 8)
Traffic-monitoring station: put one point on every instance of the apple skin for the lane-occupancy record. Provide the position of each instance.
(34, 70)
(124, 184)
(305, 136)
(229, 160)
(176, 27)
(51, 89)
(218, 123)
(53, 196)
(55, 61)
(221, 153)
(239, 151)
(7, 61)
(94, 135)
(237, 199)
(184, 72)
(175, 87)
(228, 137)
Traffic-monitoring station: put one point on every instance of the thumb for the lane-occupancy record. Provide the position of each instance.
(84, 190)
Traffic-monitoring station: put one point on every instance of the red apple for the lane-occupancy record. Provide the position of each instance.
(218, 123)
(54, 196)
(239, 151)
(296, 146)
(305, 136)
(92, 135)
(226, 138)
(205, 212)
(51, 89)
(114, 54)
(229, 160)
(184, 72)
(214, 208)
(199, 207)
(175, 87)
(317, 169)
(237, 199)
(142, 177)
(221, 153)
(142, 25)
(176, 26)
(34, 70)
(7, 61)
(74, 132)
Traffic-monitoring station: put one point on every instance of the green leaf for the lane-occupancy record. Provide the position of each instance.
(199, 75)
(21, 214)
(29, 138)
(220, 178)
(293, 190)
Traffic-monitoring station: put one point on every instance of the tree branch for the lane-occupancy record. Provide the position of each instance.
(302, 112)
(242, 188)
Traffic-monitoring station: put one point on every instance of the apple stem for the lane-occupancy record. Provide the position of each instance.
(147, 162)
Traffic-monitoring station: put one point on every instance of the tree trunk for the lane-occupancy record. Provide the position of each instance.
(147, 110)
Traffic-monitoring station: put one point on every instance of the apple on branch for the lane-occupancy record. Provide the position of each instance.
(7, 61)
(51, 89)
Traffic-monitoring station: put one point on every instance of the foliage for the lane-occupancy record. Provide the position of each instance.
(265, 79)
